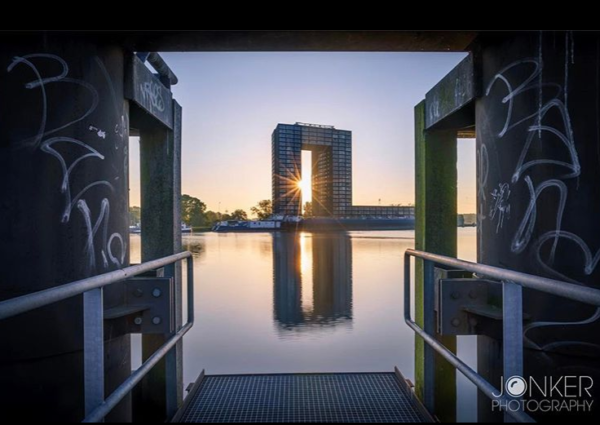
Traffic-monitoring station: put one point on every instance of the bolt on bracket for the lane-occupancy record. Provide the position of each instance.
(147, 307)
(462, 303)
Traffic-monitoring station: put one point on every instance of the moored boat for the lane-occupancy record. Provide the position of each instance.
(247, 226)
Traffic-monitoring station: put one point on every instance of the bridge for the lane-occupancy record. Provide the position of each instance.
(69, 103)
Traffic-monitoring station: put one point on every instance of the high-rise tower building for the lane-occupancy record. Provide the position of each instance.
(331, 174)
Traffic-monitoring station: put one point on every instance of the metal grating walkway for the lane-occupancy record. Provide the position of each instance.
(333, 398)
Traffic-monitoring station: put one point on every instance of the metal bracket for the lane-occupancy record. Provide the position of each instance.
(441, 273)
(460, 302)
(147, 306)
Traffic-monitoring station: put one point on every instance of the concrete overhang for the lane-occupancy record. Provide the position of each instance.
(279, 40)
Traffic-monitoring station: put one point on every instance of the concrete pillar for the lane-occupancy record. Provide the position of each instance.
(436, 232)
(538, 142)
(160, 161)
(63, 213)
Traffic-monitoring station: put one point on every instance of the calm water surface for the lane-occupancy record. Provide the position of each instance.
(322, 302)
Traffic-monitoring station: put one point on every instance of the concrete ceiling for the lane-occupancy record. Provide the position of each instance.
(276, 40)
(306, 40)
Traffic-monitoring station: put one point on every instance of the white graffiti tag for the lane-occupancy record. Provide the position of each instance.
(152, 95)
(50, 147)
(500, 209)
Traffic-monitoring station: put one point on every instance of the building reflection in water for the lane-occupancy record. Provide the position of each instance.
(312, 276)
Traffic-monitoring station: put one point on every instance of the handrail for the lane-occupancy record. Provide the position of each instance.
(25, 303)
(97, 407)
(550, 286)
(126, 387)
(512, 283)
(513, 320)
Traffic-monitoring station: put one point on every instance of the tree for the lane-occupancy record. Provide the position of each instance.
(135, 216)
(212, 217)
(239, 215)
(263, 210)
(308, 210)
(192, 211)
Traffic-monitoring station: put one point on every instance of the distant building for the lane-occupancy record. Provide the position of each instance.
(382, 211)
(331, 173)
(467, 220)
(332, 169)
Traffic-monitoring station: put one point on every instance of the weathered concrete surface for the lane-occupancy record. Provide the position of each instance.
(538, 148)
(436, 232)
(283, 40)
(63, 213)
(147, 91)
(449, 101)
(160, 160)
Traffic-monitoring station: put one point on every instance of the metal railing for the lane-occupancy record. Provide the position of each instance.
(96, 406)
(512, 283)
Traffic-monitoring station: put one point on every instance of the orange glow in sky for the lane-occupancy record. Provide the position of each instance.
(232, 102)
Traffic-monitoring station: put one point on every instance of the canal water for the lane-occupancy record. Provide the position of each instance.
(294, 303)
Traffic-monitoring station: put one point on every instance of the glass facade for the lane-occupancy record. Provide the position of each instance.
(332, 169)
(331, 174)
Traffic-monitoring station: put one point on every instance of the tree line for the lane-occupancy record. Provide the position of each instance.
(194, 213)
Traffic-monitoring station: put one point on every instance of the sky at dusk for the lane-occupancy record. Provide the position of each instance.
(232, 102)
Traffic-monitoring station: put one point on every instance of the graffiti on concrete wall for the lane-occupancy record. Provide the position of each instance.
(537, 128)
(548, 122)
(152, 95)
(102, 244)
